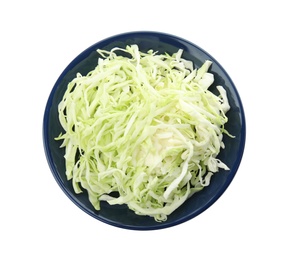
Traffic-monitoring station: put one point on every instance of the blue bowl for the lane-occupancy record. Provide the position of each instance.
(121, 216)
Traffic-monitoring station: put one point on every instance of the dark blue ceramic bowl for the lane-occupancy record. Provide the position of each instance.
(121, 216)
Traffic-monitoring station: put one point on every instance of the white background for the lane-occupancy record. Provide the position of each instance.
(251, 39)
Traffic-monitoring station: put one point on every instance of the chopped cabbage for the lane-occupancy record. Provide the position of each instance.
(142, 129)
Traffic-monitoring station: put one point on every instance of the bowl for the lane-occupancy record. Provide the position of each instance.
(120, 216)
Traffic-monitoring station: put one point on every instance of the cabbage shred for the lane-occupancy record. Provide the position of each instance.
(143, 129)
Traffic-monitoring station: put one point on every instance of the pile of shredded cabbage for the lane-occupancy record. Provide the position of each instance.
(142, 129)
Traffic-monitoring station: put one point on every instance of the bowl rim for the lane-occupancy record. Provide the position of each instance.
(45, 132)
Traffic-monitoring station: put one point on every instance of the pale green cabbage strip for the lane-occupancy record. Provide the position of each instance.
(143, 130)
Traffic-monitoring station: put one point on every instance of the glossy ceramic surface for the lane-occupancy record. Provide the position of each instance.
(121, 216)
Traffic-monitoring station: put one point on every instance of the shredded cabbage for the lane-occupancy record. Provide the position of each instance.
(142, 129)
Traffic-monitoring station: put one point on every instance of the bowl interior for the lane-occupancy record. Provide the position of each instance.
(120, 216)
